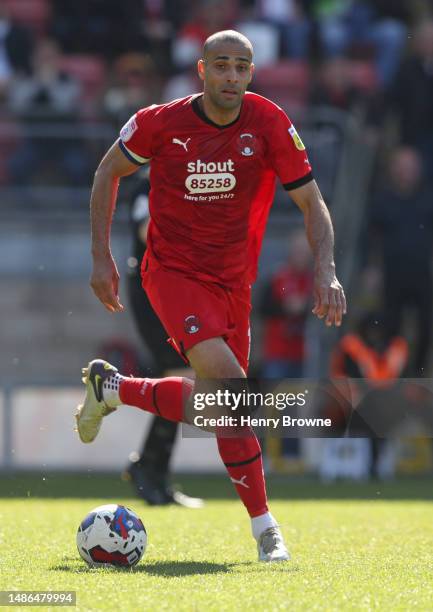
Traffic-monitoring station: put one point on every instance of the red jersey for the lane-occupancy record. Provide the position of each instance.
(212, 186)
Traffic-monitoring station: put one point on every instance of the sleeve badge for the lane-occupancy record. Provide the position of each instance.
(128, 129)
(296, 138)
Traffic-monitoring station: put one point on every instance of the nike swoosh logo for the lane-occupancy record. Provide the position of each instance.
(97, 387)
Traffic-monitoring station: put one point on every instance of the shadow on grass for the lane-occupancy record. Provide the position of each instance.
(177, 569)
(173, 569)
(166, 569)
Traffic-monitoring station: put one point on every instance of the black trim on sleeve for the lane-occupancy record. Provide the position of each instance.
(299, 182)
(238, 463)
(128, 154)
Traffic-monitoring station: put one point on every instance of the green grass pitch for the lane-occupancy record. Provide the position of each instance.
(354, 546)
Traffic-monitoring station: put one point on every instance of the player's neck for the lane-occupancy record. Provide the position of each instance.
(217, 115)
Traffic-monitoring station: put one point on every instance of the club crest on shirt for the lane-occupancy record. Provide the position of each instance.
(192, 324)
(128, 129)
(247, 144)
(296, 138)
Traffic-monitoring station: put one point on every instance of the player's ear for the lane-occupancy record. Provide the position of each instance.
(252, 68)
(201, 68)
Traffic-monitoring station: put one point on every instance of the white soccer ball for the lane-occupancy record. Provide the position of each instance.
(111, 535)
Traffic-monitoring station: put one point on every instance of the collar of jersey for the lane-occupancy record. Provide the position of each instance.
(196, 108)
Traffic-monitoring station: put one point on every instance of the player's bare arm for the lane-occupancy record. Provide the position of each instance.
(329, 298)
(105, 276)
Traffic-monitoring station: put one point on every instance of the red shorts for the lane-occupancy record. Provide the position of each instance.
(192, 310)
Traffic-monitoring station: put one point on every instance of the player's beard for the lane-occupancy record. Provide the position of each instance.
(226, 103)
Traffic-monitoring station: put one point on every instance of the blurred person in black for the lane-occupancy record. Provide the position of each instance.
(48, 101)
(16, 46)
(106, 27)
(150, 472)
(402, 219)
(411, 96)
(110, 28)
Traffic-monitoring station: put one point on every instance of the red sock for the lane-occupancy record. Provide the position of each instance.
(241, 456)
(163, 396)
(243, 460)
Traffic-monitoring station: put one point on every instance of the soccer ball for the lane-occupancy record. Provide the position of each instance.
(111, 535)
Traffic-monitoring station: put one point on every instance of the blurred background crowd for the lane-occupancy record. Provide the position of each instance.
(99, 60)
(356, 76)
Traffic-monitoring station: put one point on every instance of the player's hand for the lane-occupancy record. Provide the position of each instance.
(105, 282)
(329, 298)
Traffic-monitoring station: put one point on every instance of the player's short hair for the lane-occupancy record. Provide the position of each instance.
(229, 36)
